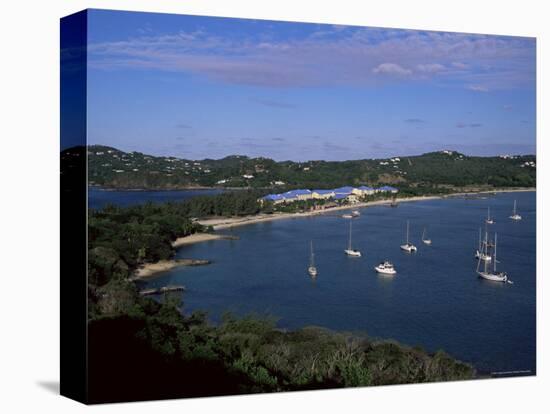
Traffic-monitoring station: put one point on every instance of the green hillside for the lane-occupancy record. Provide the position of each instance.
(113, 168)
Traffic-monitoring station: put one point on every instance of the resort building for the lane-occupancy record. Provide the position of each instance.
(275, 198)
(387, 189)
(298, 195)
(348, 193)
(340, 197)
(344, 190)
(363, 191)
(322, 194)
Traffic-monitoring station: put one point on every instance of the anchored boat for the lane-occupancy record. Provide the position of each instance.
(350, 251)
(480, 249)
(312, 270)
(424, 239)
(489, 220)
(385, 268)
(515, 215)
(408, 246)
(486, 272)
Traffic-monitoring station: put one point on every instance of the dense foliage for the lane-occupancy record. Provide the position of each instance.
(119, 239)
(142, 349)
(110, 167)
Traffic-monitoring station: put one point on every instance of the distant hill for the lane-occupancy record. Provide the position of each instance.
(110, 167)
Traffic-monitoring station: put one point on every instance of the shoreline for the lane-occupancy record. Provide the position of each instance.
(230, 222)
(200, 237)
(150, 270)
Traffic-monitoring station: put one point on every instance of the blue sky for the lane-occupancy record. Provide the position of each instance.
(203, 87)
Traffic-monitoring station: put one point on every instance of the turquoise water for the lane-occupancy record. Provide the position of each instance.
(435, 301)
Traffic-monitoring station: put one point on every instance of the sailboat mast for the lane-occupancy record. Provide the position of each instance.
(479, 243)
(349, 245)
(486, 251)
(488, 213)
(514, 207)
(495, 255)
(407, 231)
(312, 257)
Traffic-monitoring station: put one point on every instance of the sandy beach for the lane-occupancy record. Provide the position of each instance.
(198, 238)
(152, 269)
(230, 222)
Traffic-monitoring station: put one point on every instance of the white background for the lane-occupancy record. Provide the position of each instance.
(29, 216)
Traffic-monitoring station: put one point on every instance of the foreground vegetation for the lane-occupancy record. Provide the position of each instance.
(142, 349)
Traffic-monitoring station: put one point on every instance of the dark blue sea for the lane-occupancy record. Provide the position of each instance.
(435, 301)
(99, 197)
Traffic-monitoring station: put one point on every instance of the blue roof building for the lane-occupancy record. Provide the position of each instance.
(273, 197)
(340, 196)
(300, 192)
(343, 190)
(388, 188)
(323, 192)
(365, 188)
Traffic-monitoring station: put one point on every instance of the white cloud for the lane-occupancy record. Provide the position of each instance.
(430, 67)
(391, 69)
(478, 88)
(459, 65)
(343, 55)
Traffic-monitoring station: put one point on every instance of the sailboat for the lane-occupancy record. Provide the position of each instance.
(349, 251)
(408, 246)
(489, 220)
(486, 273)
(515, 215)
(480, 249)
(312, 270)
(424, 239)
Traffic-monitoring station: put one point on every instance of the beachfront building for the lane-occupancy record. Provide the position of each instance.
(275, 198)
(303, 194)
(363, 191)
(295, 195)
(387, 189)
(346, 191)
(322, 194)
(351, 194)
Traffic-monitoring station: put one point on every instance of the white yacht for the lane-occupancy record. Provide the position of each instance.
(480, 248)
(494, 275)
(350, 251)
(355, 213)
(489, 220)
(408, 246)
(385, 268)
(515, 215)
(424, 239)
(312, 270)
